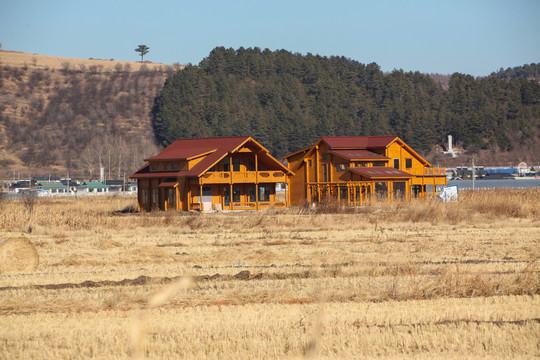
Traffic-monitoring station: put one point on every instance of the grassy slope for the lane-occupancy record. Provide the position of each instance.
(29, 82)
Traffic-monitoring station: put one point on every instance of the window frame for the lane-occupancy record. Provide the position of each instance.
(236, 164)
(408, 163)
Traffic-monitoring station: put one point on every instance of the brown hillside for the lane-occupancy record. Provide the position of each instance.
(32, 61)
(62, 113)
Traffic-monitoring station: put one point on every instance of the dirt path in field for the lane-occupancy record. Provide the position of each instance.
(324, 270)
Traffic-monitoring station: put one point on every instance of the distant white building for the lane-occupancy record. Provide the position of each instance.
(92, 187)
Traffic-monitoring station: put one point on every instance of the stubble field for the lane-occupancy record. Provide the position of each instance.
(422, 280)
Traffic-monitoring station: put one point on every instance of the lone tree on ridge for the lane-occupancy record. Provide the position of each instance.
(143, 50)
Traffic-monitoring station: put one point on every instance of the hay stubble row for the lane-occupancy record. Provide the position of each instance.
(380, 282)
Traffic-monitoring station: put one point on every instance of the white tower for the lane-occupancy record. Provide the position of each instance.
(101, 173)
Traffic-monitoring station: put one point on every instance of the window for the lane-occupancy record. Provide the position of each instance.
(251, 166)
(343, 192)
(381, 190)
(252, 197)
(164, 166)
(309, 163)
(381, 186)
(226, 164)
(172, 197)
(227, 196)
(264, 193)
(154, 167)
(340, 167)
(399, 190)
(378, 163)
(236, 164)
(396, 163)
(416, 190)
(325, 172)
(361, 164)
(408, 163)
(154, 196)
(174, 166)
(236, 194)
(324, 156)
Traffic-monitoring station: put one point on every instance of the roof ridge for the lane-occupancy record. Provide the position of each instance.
(360, 136)
(215, 137)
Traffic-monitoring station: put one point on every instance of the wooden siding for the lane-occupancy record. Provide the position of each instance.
(326, 173)
(239, 174)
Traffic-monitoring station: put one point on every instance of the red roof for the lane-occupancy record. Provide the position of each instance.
(214, 150)
(359, 155)
(358, 142)
(181, 153)
(380, 172)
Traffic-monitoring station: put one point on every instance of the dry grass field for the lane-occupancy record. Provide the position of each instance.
(420, 280)
(17, 59)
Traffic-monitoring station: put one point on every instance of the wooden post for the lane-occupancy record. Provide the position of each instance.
(177, 198)
(200, 198)
(257, 182)
(257, 196)
(188, 196)
(231, 196)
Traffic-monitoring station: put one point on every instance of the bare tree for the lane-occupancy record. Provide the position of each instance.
(121, 152)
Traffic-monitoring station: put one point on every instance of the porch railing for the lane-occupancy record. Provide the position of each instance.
(224, 177)
(429, 171)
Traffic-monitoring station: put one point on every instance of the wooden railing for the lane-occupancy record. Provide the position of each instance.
(429, 171)
(222, 177)
(253, 205)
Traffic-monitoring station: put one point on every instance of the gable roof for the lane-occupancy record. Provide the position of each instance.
(93, 184)
(380, 172)
(359, 155)
(50, 185)
(182, 153)
(358, 142)
(213, 149)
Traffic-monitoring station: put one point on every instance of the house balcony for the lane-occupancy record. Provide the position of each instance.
(428, 171)
(239, 177)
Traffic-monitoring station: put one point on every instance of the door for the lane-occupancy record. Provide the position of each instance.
(207, 198)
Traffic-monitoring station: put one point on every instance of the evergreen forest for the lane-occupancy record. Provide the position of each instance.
(286, 101)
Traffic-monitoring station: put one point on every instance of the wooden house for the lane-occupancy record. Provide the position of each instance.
(358, 170)
(228, 173)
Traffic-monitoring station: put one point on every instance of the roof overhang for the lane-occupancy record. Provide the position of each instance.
(357, 155)
(193, 154)
(380, 172)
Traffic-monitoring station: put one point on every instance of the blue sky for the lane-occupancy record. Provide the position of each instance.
(469, 36)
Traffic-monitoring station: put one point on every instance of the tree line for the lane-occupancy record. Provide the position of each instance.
(287, 101)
